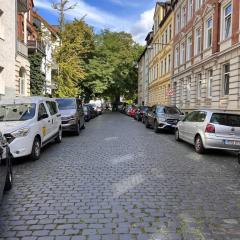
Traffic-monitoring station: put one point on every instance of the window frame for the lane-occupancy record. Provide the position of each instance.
(224, 37)
(209, 82)
(198, 40)
(208, 32)
(224, 90)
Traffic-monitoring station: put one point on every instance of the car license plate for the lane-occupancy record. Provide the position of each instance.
(232, 142)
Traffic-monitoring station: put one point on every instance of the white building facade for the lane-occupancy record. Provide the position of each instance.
(7, 48)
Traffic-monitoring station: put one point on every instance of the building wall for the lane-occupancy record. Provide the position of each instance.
(7, 48)
(199, 81)
(161, 58)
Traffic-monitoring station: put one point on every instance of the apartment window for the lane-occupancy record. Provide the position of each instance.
(199, 85)
(161, 68)
(227, 25)
(176, 56)
(188, 89)
(209, 26)
(190, 9)
(162, 40)
(157, 71)
(198, 41)
(181, 89)
(210, 81)
(226, 78)
(189, 48)
(166, 36)
(182, 56)
(170, 32)
(169, 63)
(165, 65)
(184, 16)
(178, 22)
(198, 4)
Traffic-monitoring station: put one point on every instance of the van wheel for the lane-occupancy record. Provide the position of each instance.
(58, 139)
(8, 183)
(78, 129)
(177, 138)
(199, 148)
(36, 149)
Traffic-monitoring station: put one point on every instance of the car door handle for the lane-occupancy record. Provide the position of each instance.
(49, 121)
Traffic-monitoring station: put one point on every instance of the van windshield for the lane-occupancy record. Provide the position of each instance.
(17, 112)
(65, 104)
(231, 120)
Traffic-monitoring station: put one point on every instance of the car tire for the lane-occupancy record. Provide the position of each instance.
(199, 148)
(156, 130)
(177, 138)
(8, 183)
(78, 129)
(83, 126)
(58, 139)
(147, 125)
(36, 149)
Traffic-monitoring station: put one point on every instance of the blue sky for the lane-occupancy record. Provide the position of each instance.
(134, 16)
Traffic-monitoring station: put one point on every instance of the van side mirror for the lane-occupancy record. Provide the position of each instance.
(43, 116)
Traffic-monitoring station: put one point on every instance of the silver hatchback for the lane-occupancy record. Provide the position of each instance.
(207, 129)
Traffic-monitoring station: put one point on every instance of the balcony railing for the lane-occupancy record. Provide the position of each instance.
(22, 49)
(34, 45)
(22, 5)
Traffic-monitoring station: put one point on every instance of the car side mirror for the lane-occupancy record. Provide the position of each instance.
(44, 116)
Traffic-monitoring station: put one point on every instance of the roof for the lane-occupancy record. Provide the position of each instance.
(20, 100)
(50, 27)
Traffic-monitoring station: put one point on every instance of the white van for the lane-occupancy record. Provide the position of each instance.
(29, 123)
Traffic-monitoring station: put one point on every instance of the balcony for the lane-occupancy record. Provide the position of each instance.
(22, 49)
(22, 5)
(35, 46)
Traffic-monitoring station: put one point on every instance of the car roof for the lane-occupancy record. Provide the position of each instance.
(19, 100)
(216, 111)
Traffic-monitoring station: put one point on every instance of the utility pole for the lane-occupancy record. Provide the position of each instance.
(62, 7)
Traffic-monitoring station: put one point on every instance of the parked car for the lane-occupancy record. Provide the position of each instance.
(5, 166)
(141, 110)
(92, 111)
(72, 114)
(87, 113)
(30, 123)
(207, 129)
(132, 111)
(128, 109)
(162, 117)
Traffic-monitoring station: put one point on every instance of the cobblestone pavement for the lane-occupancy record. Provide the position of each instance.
(119, 180)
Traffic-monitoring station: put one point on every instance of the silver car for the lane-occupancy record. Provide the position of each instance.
(207, 129)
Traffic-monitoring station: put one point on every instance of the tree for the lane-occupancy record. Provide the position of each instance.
(37, 79)
(62, 7)
(112, 69)
(77, 43)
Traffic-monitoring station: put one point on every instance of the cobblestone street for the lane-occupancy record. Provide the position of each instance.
(119, 180)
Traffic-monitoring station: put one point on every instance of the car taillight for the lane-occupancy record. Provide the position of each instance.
(210, 128)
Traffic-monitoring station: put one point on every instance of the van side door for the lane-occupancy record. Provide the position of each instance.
(55, 116)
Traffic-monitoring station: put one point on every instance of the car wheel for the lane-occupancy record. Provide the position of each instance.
(58, 139)
(83, 126)
(199, 148)
(36, 149)
(156, 130)
(78, 129)
(147, 123)
(177, 138)
(8, 183)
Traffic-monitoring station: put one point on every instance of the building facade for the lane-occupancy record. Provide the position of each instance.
(161, 55)
(7, 48)
(206, 67)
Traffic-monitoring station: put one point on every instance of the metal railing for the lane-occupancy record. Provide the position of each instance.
(22, 49)
(36, 45)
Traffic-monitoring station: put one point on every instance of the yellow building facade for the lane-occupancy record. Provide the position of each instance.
(161, 55)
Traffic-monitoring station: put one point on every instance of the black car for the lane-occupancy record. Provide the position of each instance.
(92, 110)
(141, 110)
(162, 117)
(5, 166)
(87, 113)
(72, 114)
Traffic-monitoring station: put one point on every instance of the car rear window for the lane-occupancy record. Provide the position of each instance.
(231, 120)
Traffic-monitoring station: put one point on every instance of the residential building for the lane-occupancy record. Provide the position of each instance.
(206, 70)
(22, 65)
(7, 48)
(161, 54)
(51, 41)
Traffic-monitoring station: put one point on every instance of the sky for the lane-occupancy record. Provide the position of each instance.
(133, 16)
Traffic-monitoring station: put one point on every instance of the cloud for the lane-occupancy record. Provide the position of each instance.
(101, 19)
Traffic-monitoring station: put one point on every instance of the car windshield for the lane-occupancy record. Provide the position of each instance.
(231, 120)
(17, 112)
(171, 110)
(65, 104)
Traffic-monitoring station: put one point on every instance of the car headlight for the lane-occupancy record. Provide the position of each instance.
(22, 132)
(161, 119)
